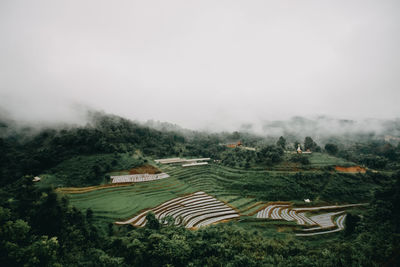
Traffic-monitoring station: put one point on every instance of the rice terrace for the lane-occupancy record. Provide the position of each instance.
(198, 192)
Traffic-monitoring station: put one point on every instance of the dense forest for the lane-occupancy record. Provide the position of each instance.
(39, 227)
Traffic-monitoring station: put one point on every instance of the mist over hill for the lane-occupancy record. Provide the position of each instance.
(322, 128)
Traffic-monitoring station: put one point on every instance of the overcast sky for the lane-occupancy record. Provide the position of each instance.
(200, 63)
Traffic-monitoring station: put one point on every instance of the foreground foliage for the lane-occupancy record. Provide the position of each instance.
(38, 228)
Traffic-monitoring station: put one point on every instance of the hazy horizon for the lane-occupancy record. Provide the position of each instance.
(201, 65)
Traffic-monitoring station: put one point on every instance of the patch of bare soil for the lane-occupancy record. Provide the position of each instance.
(353, 169)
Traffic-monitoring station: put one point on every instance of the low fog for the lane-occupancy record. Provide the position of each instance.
(208, 65)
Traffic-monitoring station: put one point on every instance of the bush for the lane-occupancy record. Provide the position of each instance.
(298, 158)
(373, 161)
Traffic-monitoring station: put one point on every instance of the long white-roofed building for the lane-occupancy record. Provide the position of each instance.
(184, 162)
(136, 178)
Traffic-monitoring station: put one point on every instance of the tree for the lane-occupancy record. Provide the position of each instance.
(331, 149)
(247, 165)
(235, 135)
(373, 161)
(270, 155)
(152, 221)
(351, 223)
(89, 214)
(281, 142)
(309, 143)
(43, 252)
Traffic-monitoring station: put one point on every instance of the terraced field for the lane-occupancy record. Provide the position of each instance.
(111, 204)
(340, 226)
(116, 203)
(129, 204)
(214, 180)
(192, 211)
(301, 215)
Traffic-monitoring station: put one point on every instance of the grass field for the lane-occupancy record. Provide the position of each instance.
(317, 161)
(324, 160)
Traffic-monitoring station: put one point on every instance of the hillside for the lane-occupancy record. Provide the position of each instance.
(243, 207)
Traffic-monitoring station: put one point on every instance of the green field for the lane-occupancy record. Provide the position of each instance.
(316, 161)
(323, 160)
(119, 203)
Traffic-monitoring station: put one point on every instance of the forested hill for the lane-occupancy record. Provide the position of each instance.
(28, 151)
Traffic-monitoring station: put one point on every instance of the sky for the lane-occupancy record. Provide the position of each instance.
(200, 64)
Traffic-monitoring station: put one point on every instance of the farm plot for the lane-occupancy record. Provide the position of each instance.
(218, 180)
(215, 181)
(116, 203)
(340, 226)
(193, 211)
(323, 222)
(322, 159)
(119, 201)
